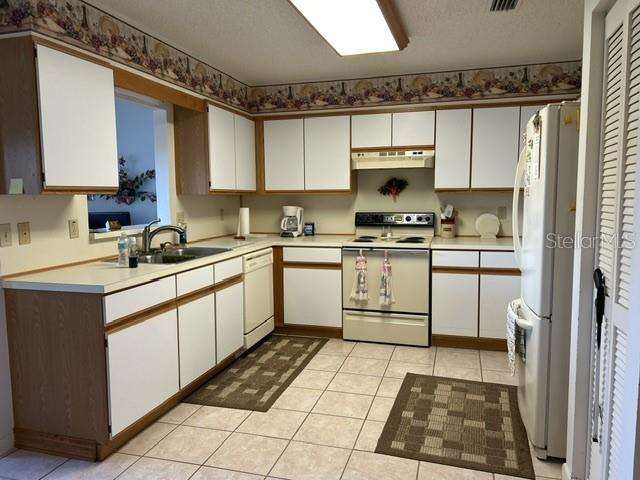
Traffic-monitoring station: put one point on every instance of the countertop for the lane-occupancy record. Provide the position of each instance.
(103, 277)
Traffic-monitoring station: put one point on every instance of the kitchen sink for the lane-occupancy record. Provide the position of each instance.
(179, 254)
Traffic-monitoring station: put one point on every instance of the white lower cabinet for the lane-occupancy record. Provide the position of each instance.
(229, 320)
(454, 304)
(197, 338)
(313, 296)
(496, 291)
(143, 368)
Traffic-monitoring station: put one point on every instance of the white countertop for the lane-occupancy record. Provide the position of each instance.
(103, 277)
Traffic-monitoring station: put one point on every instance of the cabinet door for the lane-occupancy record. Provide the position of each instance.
(284, 155)
(526, 112)
(143, 368)
(371, 130)
(494, 155)
(496, 291)
(245, 153)
(327, 152)
(313, 297)
(77, 122)
(413, 128)
(449, 315)
(222, 150)
(453, 149)
(197, 338)
(229, 320)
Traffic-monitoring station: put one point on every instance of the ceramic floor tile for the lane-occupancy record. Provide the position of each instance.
(424, 355)
(457, 357)
(300, 399)
(326, 363)
(491, 376)
(188, 444)
(364, 366)
(343, 404)
(457, 372)
(400, 369)
(373, 466)
(24, 465)
(372, 350)
(219, 418)
(329, 430)
(369, 436)
(145, 440)
(431, 471)
(351, 383)
(389, 387)
(380, 409)
(248, 453)
(498, 361)
(156, 469)
(303, 461)
(337, 347)
(80, 470)
(313, 379)
(179, 413)
(274, 423)
(210, 473)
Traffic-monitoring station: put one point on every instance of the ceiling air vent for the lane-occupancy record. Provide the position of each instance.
(503, 5)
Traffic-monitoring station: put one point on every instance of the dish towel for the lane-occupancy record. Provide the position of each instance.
(360, 288)
(515, 335)
(386, 290)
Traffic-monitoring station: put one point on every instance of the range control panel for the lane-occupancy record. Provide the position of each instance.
(407, 219)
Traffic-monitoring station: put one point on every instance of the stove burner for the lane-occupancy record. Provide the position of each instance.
(411, 240)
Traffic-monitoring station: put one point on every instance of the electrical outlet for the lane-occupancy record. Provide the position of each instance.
(502, 213)
(179, 217)
(74, 232)
(24, 233)
(5, 235)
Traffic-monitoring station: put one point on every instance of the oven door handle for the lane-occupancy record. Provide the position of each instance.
(424, 251)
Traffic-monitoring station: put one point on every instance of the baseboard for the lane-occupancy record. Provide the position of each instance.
(55, 444)
(475, 343)
(6, 444)
(309, 331)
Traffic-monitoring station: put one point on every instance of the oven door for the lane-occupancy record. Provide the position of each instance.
(409, 279)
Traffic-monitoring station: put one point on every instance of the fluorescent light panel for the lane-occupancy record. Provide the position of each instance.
(351, 27)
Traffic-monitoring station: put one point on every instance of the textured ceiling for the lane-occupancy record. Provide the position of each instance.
(264, 42)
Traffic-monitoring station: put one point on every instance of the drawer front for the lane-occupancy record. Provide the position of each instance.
(136, 299)
(498, 260)
(227, 269)
(449, 258)
(193, 280)
(312, 254)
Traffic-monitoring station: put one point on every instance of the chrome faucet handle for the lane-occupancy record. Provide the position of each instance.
(153, 222)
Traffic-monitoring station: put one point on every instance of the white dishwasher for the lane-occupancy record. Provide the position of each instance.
(258, 296)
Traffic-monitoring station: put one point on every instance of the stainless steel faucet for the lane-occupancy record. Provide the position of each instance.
(147, 234)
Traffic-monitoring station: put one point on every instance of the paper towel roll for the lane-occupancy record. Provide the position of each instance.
(243, 222)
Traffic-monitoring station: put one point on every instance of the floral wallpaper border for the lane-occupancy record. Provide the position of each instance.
(81, 24)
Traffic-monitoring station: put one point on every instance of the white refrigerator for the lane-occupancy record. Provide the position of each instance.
(546, 180)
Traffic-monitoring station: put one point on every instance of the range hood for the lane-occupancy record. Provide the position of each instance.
(378, 160)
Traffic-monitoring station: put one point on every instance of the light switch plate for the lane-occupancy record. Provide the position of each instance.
(74, 232)
(5, 235)
(179, 217)
(24, 233)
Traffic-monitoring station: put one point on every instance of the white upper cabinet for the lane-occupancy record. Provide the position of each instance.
(526, 112)
(245, 147)
(284, 155)
(371, 130)
(77, 122)
(222, 150)
(327, 152)
(413, 128)
(494, 154)
(453, 149)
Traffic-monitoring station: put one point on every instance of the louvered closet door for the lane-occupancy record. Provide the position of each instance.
(615, 377)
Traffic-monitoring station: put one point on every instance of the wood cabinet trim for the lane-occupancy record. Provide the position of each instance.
(314, 265)
(195, 295)
(61, 190)
(229, 282)
(139, 317)
(456, 270)
(392, 147)
(309, 330)
(500, 271)
(70, 51)
(475, 343)
(476, 270)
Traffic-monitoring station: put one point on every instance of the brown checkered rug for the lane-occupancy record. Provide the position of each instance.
(257, 379)
(458, 422)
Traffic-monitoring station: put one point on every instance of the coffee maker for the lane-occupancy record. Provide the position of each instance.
(291, 225)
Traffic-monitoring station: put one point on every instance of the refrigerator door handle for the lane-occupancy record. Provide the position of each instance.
(520, 171)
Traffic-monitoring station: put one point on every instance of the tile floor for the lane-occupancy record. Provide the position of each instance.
(325, 426)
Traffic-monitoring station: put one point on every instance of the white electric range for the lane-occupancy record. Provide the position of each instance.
(405, 240)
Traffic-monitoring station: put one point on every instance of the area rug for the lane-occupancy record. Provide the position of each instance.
(257, 379)
(455, 422)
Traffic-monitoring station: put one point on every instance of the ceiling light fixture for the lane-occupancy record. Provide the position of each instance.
(354, 27)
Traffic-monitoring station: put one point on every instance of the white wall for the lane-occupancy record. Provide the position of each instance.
(335, 213)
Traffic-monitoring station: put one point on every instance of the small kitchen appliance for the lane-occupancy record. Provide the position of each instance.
(291, 224)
